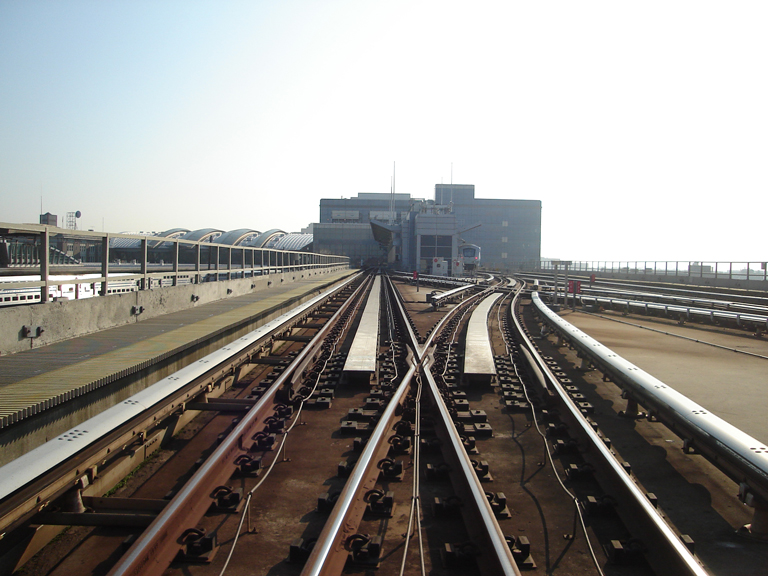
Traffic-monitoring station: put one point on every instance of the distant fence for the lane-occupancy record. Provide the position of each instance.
(692, 270)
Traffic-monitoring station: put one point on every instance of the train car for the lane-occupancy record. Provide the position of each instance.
(469, 255)
(63, 287)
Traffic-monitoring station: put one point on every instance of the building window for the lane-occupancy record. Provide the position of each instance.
(504, 223)
(503, 238)
(503, 254)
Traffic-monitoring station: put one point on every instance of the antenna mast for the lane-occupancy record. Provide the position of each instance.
(392, 198)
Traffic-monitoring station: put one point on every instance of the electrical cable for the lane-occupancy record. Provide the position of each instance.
(249, 496)
(575, 500)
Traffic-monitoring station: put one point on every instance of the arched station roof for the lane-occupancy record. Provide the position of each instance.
(172, 233)
(273, 239)
(295, 242)
(261, 240)
(237, 237)
(203, 235)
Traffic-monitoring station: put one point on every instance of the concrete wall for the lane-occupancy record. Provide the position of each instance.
(71, 318)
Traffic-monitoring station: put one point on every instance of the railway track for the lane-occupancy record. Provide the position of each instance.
(309, 462)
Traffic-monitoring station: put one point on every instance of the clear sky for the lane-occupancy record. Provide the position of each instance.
(641, 126)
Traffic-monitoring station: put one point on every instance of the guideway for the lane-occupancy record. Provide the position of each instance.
(46, 391)
(361, 359)
(478, 354)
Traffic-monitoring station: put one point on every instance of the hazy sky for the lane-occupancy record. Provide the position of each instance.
(642, 127)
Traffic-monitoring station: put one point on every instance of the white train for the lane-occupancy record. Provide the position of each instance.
(76, 287)
(469, 258)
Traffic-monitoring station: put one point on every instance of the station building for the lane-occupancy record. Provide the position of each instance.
(424, 235)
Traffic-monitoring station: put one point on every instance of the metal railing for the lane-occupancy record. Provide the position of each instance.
(693, 270)
(42, 252)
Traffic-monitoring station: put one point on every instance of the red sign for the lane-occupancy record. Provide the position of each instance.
(415, 275)
(571, 286)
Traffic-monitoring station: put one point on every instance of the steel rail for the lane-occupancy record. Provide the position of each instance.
(662, 288)
(481, 523)
(740, 456)
(666, 552)
(328, 554)
(439, 299)
(661, 297)
(706, 313)
(157, 546)
(30, 482)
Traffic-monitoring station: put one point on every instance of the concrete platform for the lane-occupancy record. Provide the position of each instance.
(478, 353)
(728, 379)
(365, 347)
(35, 381)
